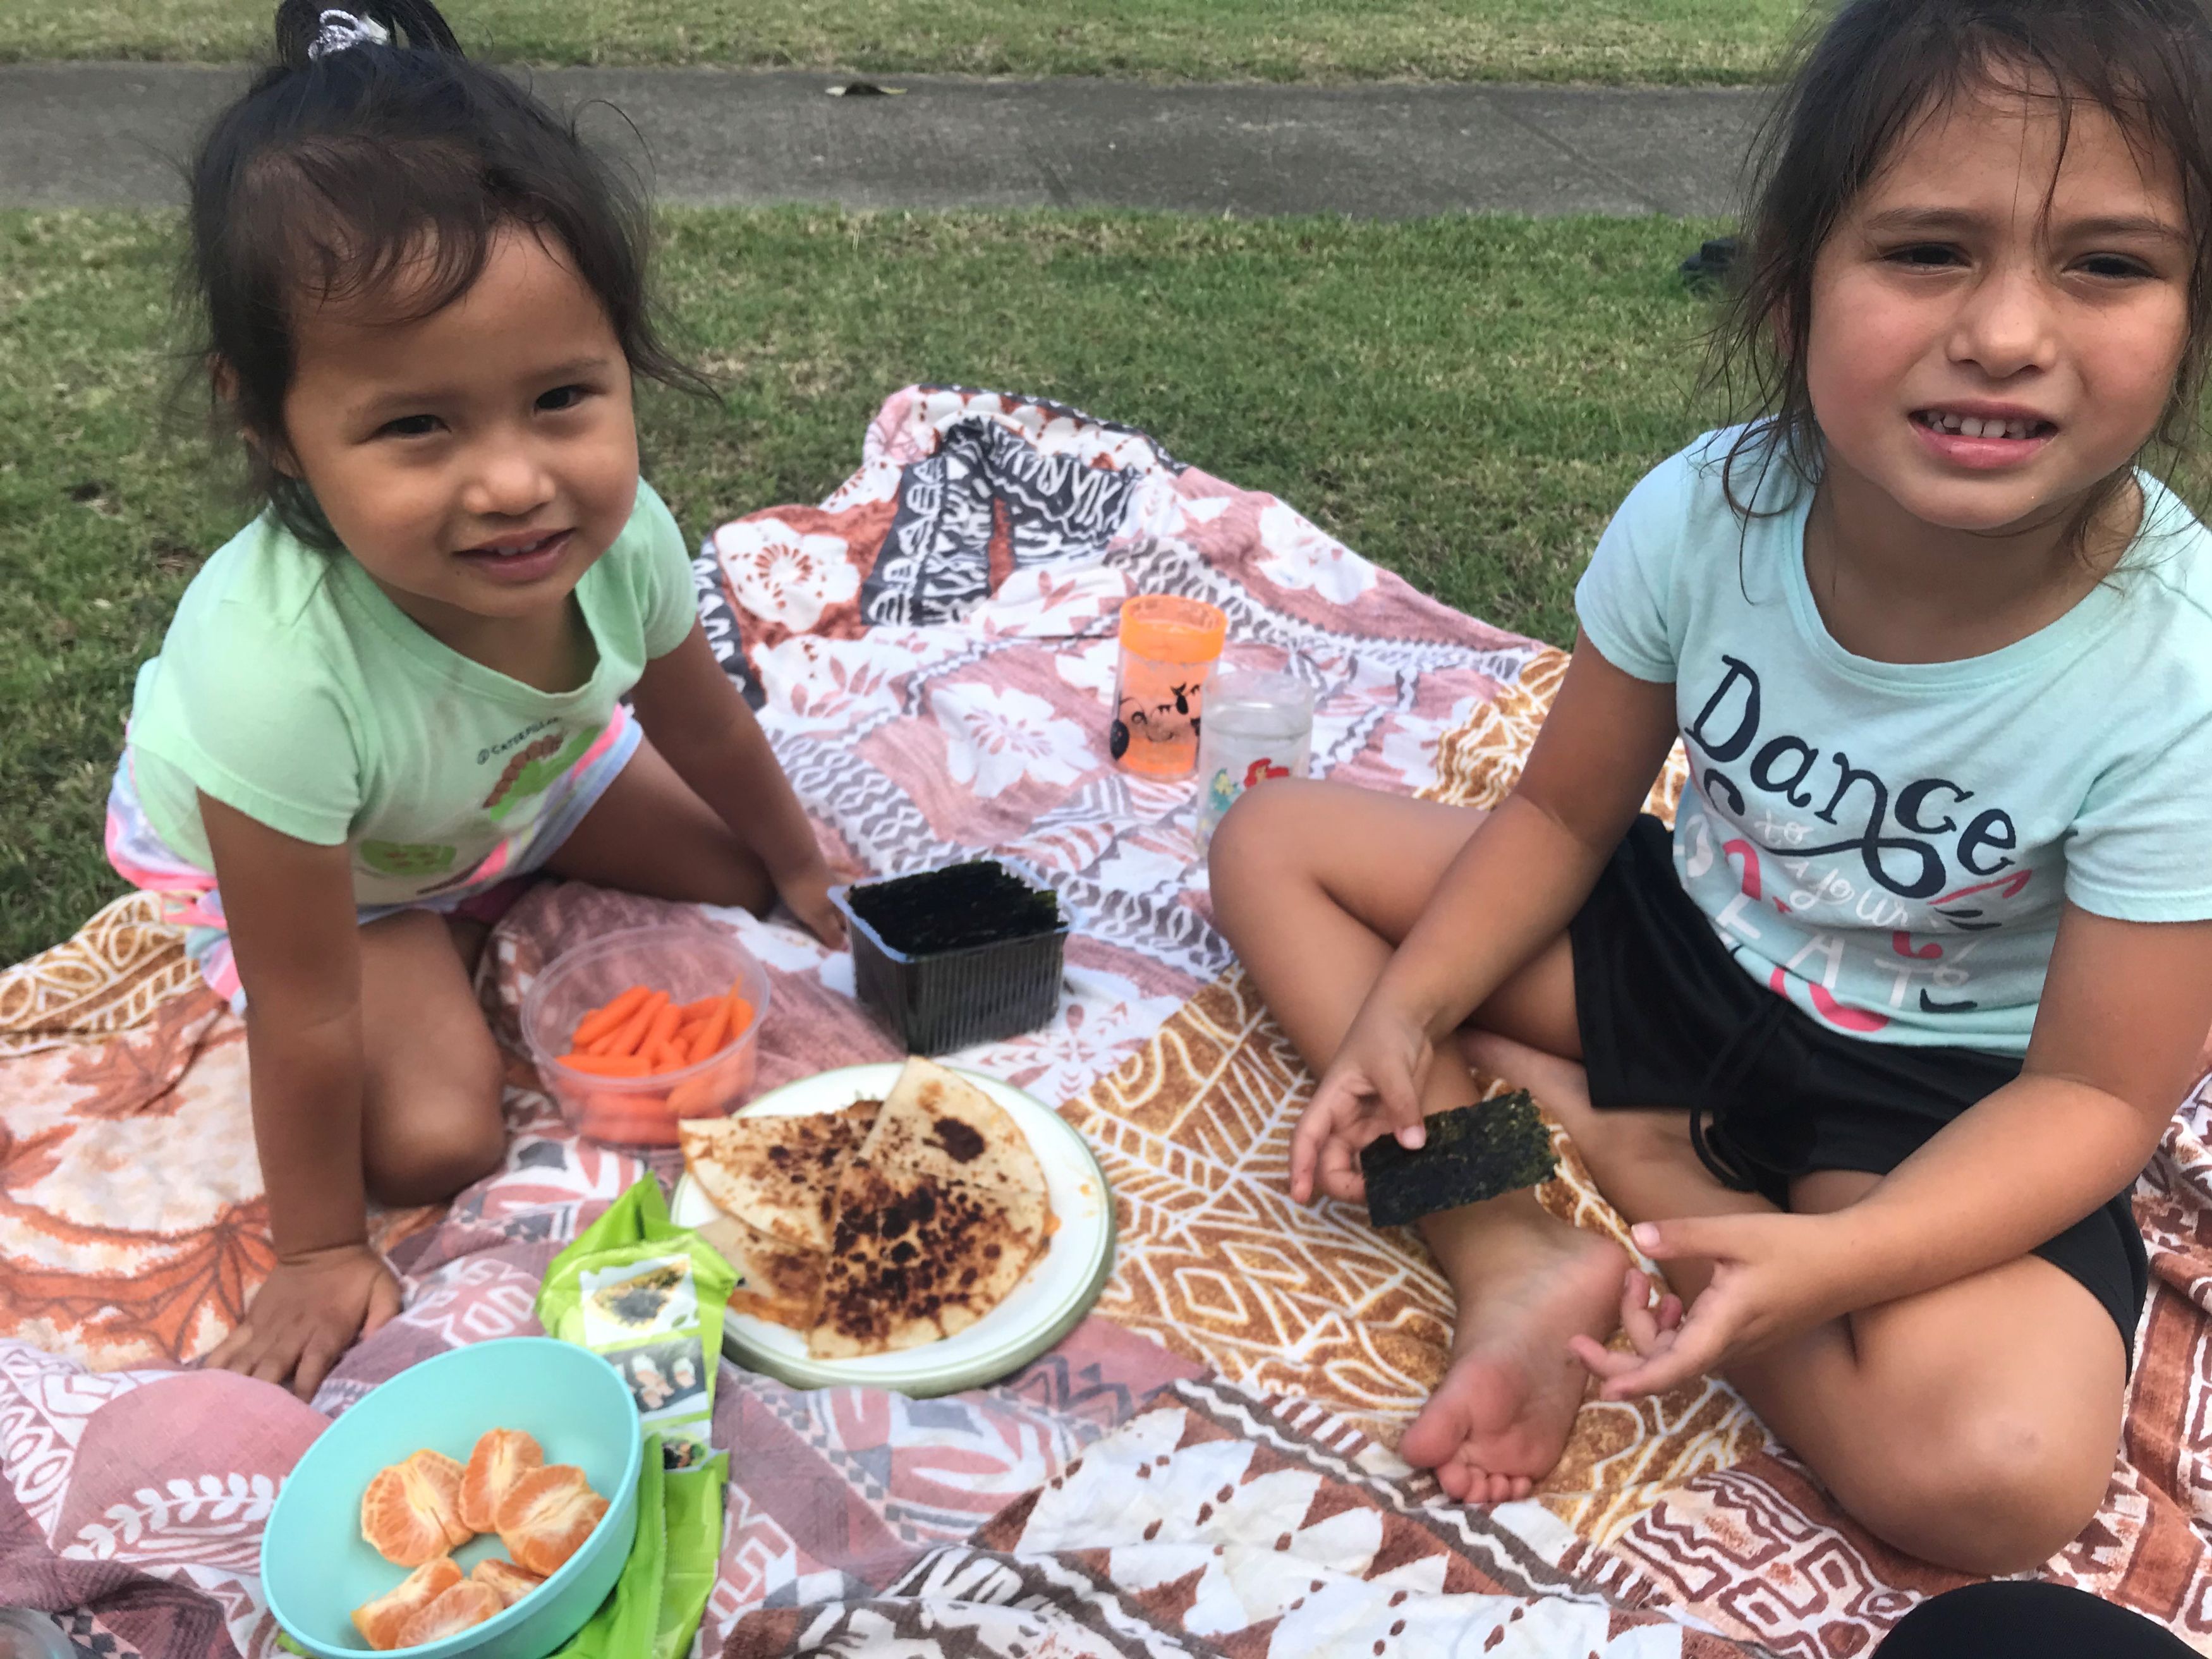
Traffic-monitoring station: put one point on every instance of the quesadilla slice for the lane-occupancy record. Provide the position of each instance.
(940, 1126)
(778, 1282)
(915, 1259)
(777, 1174)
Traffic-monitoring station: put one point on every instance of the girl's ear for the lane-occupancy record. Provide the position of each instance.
(223, 379)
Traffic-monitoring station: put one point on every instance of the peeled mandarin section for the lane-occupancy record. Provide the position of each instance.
(547, 1515)
(509, 1581)
(412, 1510)
(501, 1457)
(381, 1621)
(465, 1604)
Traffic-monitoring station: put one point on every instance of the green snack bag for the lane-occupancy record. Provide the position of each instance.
(648, 1297)
(692, 1504)
(623, 1627)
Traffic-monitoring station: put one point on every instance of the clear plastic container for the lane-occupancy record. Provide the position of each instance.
(687, 963)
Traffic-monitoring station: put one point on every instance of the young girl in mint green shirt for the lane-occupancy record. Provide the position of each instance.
(400, 688)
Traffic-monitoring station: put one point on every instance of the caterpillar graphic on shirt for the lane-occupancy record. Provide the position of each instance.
(533, 768)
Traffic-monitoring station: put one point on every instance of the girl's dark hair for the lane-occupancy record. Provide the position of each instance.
(1878, 69)
(344, 164)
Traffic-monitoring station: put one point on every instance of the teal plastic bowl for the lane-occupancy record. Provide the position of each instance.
(316, 1568)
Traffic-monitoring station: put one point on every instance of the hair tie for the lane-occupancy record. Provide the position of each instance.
(338, 31)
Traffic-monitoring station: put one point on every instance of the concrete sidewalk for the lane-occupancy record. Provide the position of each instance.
(85, 134)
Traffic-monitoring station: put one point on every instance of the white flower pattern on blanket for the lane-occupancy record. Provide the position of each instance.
(1300, 555)
(784, 575)
(996, 738)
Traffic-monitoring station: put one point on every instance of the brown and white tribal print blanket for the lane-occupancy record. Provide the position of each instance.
(1204, 1466)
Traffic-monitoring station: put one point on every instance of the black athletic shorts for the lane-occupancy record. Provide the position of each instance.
(1668, 1018)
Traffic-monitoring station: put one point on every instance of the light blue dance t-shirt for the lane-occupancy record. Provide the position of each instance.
(1889, 845)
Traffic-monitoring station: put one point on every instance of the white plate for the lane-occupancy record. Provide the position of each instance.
(1059, 1288)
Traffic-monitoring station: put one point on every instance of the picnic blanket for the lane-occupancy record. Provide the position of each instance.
(1204, 1466)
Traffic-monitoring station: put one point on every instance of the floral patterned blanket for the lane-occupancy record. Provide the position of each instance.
(1204, 1465)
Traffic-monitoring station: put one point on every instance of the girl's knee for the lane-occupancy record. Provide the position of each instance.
(1253, 848)
(449, 1133)
(436, 1155)
(1999, 1493)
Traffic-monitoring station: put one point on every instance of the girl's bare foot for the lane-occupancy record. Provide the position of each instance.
(1500, 1419)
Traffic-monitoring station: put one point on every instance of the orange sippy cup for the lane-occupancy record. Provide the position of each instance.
(1169, 646)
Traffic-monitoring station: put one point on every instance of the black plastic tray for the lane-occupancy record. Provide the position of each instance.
(938, 1002)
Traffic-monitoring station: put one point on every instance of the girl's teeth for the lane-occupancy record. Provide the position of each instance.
(1968, 426)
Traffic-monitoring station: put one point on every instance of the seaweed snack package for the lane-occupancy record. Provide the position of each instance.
(656, 1606)
(647, 1296)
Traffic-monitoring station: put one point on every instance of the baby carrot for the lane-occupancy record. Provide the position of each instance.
(666, 1057)
(664, 1020)
(697, 1010)
(741, 1014)
(604, 1066)
(710, 1033)
(630, 1037)
(608, 1015)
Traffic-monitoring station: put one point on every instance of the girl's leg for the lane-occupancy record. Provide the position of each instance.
(1971, 1425)
(430, 1110)
(1315, 884)
(649, 834)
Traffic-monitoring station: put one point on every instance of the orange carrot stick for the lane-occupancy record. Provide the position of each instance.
(741, 1015)
(710, 1033)
(605, 1065)
(698, 1010)
(630, 1037)
(605, 1018)
(665, 1021)
(666, 1057)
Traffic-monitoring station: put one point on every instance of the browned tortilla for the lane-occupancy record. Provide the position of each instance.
(914, 1260)
(778, 1175)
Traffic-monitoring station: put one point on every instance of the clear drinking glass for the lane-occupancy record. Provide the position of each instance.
(1258, 726)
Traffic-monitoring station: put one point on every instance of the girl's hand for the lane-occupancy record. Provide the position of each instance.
(308, 1312)
(1774, 1276)
(1372, 1087)
(807, 894)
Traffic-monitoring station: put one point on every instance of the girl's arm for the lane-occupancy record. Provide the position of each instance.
(2124, 1011)
(700, 724)
(293, 933)
(1511, 891)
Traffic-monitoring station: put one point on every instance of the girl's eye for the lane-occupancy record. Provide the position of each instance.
(2114, 266)
(1924, 255)
(409, 426)
(564, 397)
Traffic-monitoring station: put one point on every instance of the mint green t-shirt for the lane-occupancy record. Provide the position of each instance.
(291, 687)
(1890, 845)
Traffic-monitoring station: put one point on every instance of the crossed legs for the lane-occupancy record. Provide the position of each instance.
(1972, 1425)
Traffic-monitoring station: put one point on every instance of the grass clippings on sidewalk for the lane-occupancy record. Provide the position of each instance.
(1620, 41)
(1465, 400)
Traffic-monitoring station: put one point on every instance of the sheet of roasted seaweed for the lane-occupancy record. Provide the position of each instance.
(1473, 1152)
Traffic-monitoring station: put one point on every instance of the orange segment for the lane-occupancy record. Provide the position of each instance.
(412, 1510)
(465, 1604)
(547, 1515)
(501, 1457)
(504, 1579)
(381, 1621)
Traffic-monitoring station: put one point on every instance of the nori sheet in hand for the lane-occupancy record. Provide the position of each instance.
(1473, 1152)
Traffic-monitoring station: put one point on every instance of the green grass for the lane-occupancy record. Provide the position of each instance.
(1465, 400)
(1609, 40)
